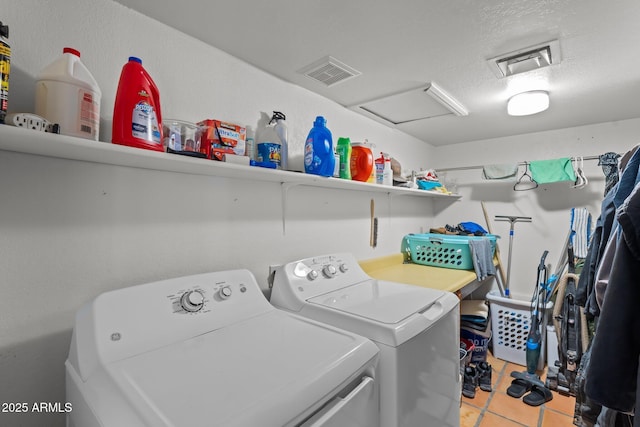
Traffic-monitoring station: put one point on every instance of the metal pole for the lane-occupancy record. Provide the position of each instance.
(512, 220)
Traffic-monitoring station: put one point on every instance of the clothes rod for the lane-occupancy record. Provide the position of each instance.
(462, 168)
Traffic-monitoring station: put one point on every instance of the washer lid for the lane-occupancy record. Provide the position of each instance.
(380, 301)
(268, 370)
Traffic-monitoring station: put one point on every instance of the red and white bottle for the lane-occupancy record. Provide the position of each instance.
(137, 117)
(384, 174)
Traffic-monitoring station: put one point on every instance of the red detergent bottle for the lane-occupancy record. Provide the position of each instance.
(137, 118)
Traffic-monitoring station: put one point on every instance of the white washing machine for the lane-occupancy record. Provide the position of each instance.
(209, 350)
(416, 329)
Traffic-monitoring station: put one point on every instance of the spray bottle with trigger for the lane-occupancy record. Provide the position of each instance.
(281, 130)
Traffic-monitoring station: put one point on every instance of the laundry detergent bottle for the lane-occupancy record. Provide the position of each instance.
(362, 162)
(137, 118)
(68, 95)
(319, 158)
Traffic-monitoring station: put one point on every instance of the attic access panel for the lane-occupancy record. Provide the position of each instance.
(415, 104)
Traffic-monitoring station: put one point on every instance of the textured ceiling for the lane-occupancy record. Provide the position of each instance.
(406, 44)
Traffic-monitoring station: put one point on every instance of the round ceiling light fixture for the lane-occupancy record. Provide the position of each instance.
(527, 103)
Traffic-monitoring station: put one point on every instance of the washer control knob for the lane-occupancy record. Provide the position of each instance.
(344, 268)
(312, 275)
(192, 301)
(329, 270)
(224, 292)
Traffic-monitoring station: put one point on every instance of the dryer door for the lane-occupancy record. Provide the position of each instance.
(358, 408)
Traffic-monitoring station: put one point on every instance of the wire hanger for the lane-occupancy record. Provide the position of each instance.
(521, 185)
(581, 179)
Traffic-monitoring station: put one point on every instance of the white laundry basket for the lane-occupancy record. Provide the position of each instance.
(510, 323)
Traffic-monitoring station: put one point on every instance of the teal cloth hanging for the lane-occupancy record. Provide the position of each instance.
(501, 171)
(554, 170)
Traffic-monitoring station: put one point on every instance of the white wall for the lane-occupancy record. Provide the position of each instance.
(71, 230)
(549, 205)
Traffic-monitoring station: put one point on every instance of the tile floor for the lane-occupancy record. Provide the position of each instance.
(498, 409)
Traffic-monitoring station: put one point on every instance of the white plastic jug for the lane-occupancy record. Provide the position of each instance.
(67, 94)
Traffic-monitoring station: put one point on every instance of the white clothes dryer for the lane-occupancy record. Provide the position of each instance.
(209, 350)
(417, 330)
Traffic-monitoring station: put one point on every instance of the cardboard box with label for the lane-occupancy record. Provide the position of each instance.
(224, 138)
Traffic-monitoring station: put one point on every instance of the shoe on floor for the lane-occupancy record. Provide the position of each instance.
(470, 382)
(518, 388)
(538, 396)
(484, 376)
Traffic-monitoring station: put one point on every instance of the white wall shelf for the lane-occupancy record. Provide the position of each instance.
(65, 147)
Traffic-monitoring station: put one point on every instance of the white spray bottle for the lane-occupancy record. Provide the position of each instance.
(281, 130)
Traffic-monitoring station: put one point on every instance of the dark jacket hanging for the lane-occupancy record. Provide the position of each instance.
(612, 373)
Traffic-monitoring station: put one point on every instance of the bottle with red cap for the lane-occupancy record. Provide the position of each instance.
(68, 95)
(137, 118)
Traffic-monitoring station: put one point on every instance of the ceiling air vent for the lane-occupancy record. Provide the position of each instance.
(527, 59)
(329, 71)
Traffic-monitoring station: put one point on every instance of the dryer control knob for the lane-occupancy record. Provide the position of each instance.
(192, 301)
(329, 270)
(344, 268)
(312, 275)
(224, 292)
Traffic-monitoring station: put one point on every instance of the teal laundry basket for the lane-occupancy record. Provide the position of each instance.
(442, 250)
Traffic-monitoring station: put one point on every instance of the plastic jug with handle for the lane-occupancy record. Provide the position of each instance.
(137, 118)
(319, 158)
(68, 95)
(361, 161)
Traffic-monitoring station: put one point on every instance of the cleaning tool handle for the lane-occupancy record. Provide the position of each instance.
(513, 219)
(571, 259)
(542, 266)
(502, 283)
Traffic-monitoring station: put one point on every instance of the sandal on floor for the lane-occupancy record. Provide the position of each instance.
(538, 396)
(484, 376)
(470, 382)
(518, 388)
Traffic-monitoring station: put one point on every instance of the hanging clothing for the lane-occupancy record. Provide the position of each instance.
(587, 411)
(554, 170)
(611, 378)
(584, 294)
(581, 231)
(609, 163)
(503, 171)
(629, 165)
(482, 256)
(628, 178)
(608, 373)
(611, 418)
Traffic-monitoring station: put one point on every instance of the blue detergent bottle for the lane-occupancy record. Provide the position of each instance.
(319, 157)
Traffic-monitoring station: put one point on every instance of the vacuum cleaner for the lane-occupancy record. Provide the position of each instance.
(529, 380)
(534, 340)
(570, 325)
